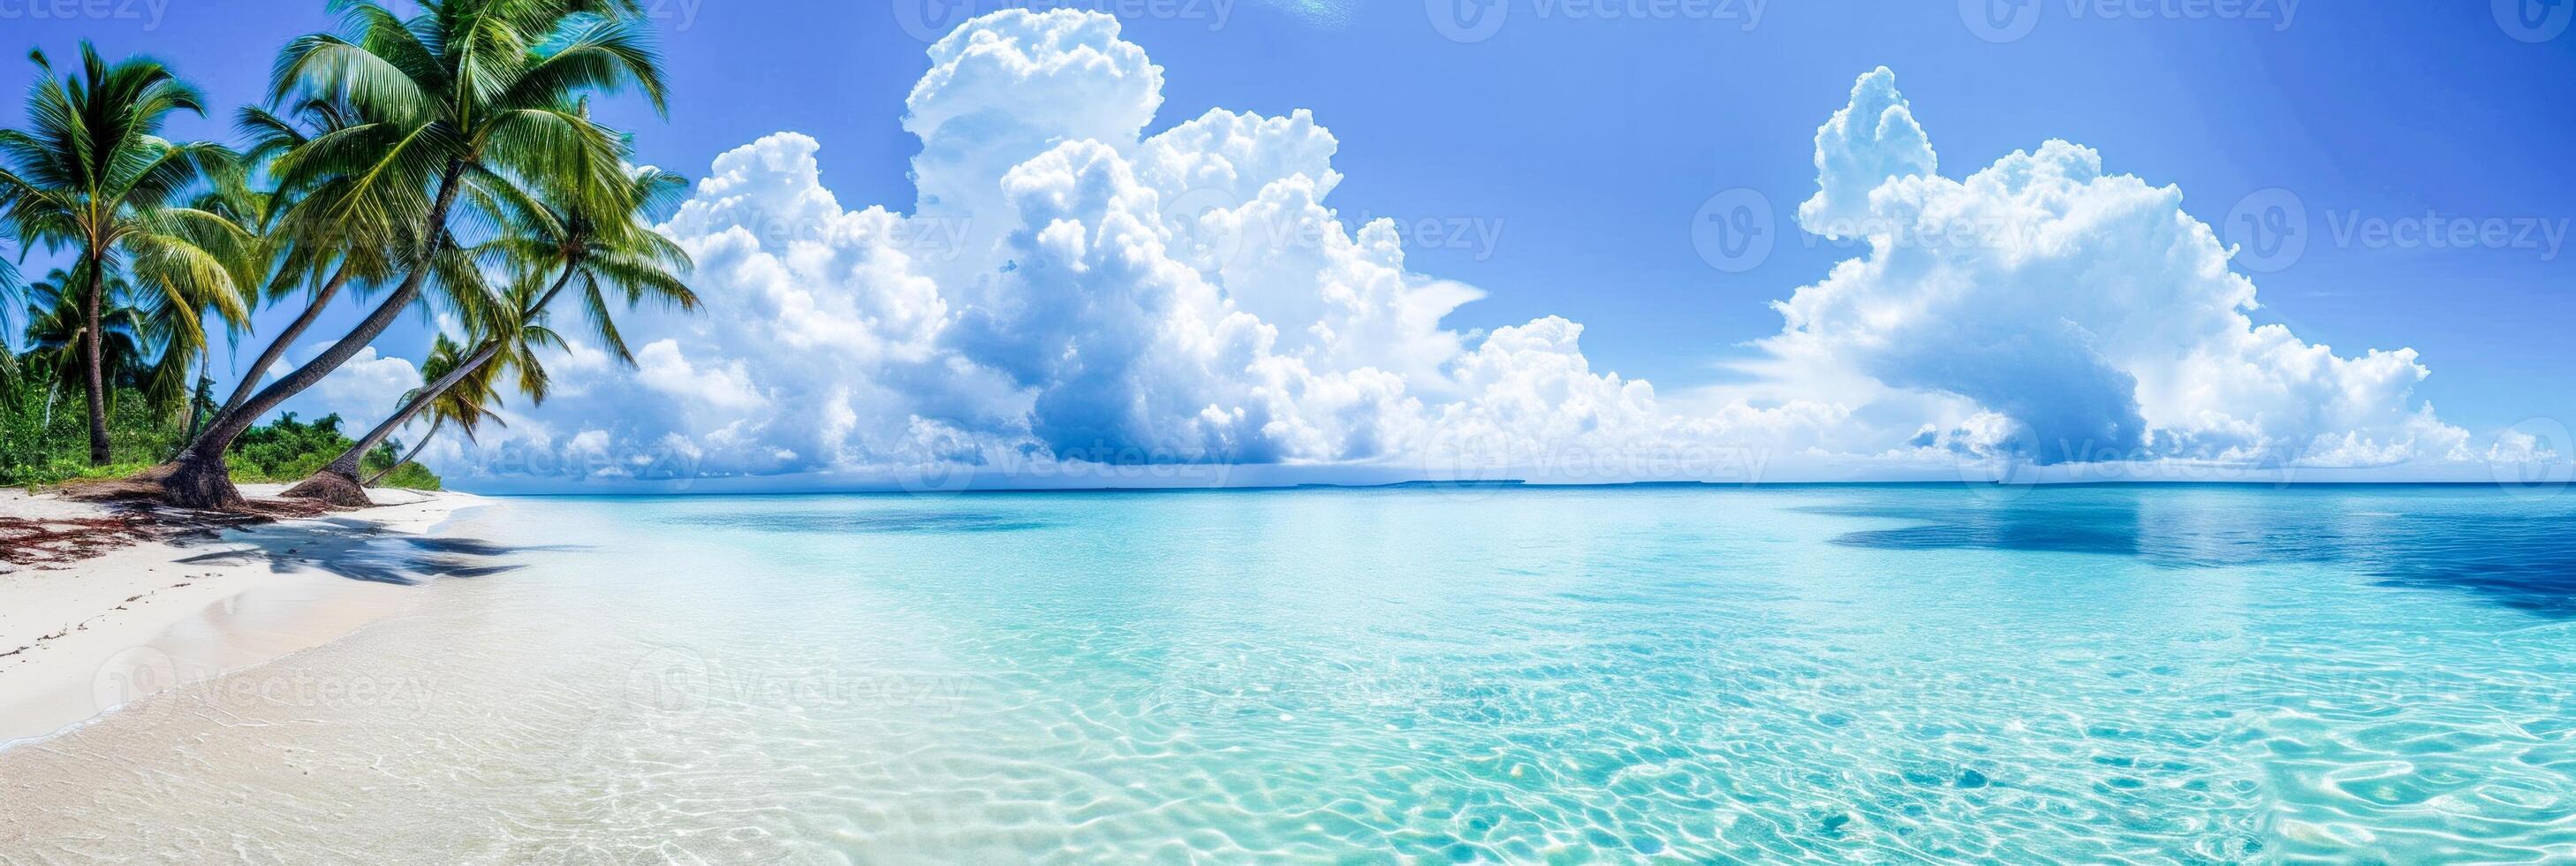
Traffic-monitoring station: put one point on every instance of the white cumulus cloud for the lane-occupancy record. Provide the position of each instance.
(2085, 308)
(1067, 289)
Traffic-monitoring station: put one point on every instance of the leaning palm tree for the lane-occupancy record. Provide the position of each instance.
(467, 404)
(462, 102)
(608, 253)
(304, 250)
(91, 173)
(511, 335)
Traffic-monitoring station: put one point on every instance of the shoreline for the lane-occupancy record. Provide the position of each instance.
(81, 637)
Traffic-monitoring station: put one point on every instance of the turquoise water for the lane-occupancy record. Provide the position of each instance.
(1826, 673)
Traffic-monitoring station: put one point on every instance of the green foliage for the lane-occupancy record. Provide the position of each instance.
(42, 447)
(439, 153)
(38, 450)
(289, 450)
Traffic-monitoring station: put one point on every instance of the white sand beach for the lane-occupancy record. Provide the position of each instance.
(79, 638)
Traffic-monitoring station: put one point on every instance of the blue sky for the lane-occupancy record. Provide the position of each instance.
(1564, 157)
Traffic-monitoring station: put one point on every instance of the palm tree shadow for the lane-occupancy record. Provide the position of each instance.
(359, 550)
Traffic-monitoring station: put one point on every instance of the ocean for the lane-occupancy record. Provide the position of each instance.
(1684, 674)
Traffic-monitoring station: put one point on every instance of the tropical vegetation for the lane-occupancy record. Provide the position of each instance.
(440, 157)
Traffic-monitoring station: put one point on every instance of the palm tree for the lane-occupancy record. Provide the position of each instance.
(59, 328)
(613, 253)
(609, 253)
(10, 291)
(511, 336)
(464, 404)
(93, 174)
(305, 250)
(179, 328)
(462, 101)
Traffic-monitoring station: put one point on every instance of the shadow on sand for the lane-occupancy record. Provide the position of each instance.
(359, 550)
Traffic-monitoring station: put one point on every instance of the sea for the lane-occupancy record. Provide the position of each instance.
(1468, 673)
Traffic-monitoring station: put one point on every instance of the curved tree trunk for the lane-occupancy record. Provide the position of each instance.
(408, 455)
(94, 379)
(347, 464)
(277, 348)
(201, 478)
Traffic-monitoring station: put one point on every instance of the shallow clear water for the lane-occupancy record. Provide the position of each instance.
(1827, 673)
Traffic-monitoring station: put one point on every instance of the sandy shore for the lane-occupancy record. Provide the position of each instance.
(80, 638)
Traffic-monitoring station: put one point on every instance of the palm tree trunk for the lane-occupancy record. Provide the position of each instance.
(201, 478)
(408, 455)
(196, 415)
(347, 464)
(93, 379)
(277, 348)
(349, 461)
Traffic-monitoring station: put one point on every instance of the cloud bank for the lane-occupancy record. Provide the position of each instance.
(2087, 311)
(1068, 291)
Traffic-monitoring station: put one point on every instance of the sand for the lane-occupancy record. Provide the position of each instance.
(81, 638)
